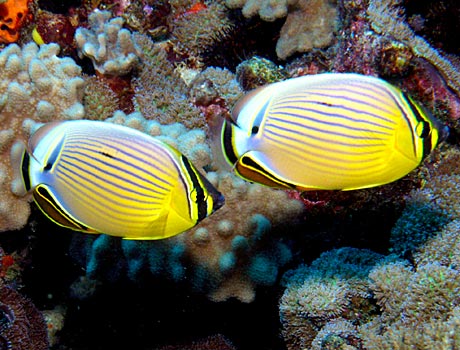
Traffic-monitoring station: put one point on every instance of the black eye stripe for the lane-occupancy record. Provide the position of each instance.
(25, 170)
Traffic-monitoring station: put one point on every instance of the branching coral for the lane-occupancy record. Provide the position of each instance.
(110, 47)
(35, 84)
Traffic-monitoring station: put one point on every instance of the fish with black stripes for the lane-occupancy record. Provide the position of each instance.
(332, 131)
(99, 177)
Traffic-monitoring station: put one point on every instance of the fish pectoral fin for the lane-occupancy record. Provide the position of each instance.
(50, 206)
(255, 166)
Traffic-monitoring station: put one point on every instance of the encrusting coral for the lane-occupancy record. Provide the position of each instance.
(110, 47)
(35, 85)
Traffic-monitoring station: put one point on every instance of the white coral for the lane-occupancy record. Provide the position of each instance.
(110, 47)
(35, 86)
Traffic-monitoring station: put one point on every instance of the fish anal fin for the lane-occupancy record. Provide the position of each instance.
(48, 204)
(254, 166)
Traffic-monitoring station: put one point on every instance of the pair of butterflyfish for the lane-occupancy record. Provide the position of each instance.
(99, 177)
(319, 132)
(328, 132)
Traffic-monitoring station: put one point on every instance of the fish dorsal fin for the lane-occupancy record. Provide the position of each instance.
(49, 205)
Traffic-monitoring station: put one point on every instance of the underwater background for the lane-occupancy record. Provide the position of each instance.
(279, 270)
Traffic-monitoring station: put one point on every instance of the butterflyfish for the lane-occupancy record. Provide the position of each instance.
(328, 131)
(98, 177)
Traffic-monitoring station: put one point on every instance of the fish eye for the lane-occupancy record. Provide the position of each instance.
(254, 130)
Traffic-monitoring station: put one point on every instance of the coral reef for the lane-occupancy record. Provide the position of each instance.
(160, 91)
(99, 99)
(333, 288)
(385, 17)
(395, 303)
(22, 326)
(215, 342)
(35, 84)
(258, 71)
(309, 24)
(173, 69)
(14, 14)
(110, 47)
(209, 24)
(56, 28)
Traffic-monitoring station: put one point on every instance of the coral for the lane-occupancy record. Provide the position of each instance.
(414, 321)
(160, 92)
(214, 83)
(334, 287)
(385, 17)
(215, 342)
(427, 316)
(428, 227)
(338, 334)
(56, 28)
(309, 24)
(349, 300)
(13, 15)
(258, 71)
(54, 320)
(35, 84)
(22, 326)
(267, 10)
(99, 100)
(110, 47)
(193, 32)
(147, 16)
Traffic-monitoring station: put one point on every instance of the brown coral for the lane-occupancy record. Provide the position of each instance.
(160, 92)
(194, 29)
(309, 23)
(22, 326)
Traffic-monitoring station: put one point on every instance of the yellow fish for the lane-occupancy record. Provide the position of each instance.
(328, 131)
(98, 177)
